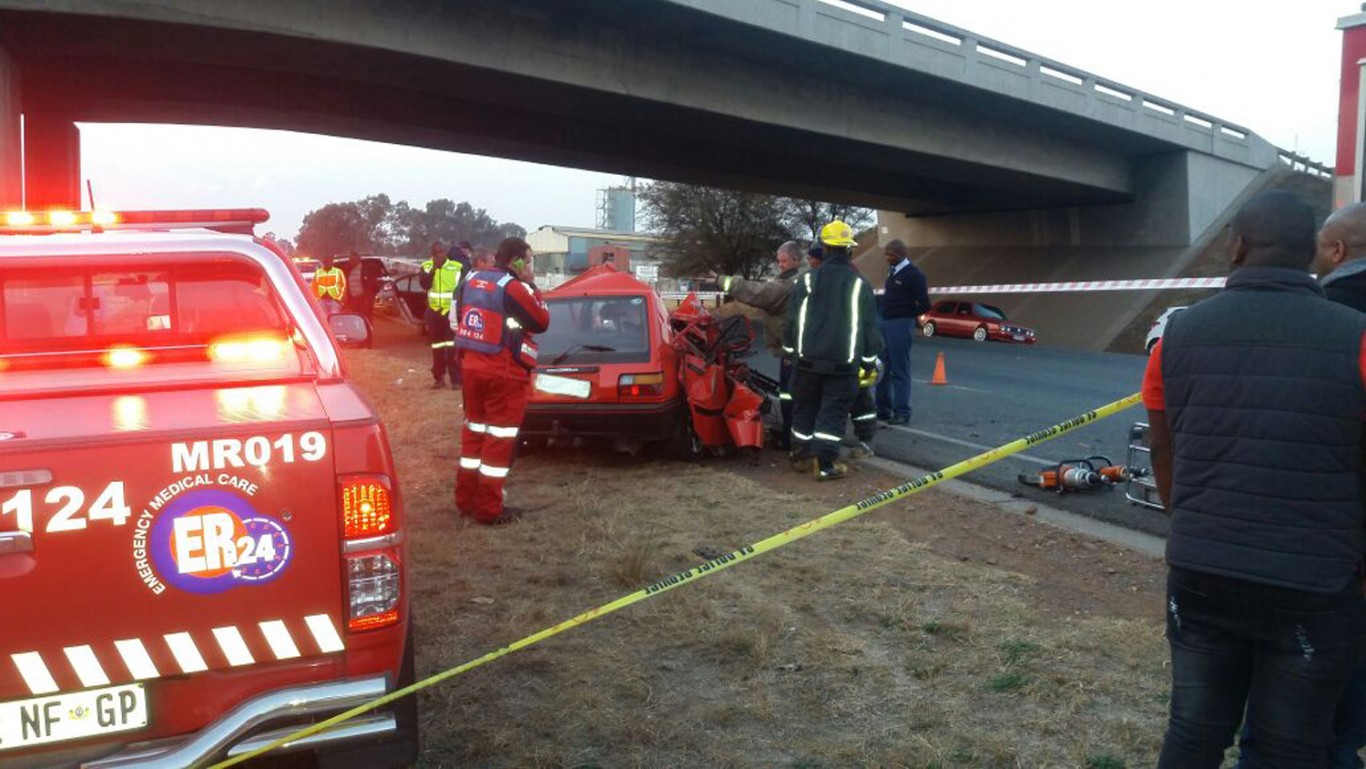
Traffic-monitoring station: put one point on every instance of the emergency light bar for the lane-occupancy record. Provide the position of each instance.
(47, 222)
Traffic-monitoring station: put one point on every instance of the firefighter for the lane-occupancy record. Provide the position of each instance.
(329, 284)
(771, 297)
(500, 309)
(441, 276)
(864, 412)
(832, 332)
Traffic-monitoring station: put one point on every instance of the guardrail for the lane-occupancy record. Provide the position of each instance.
(1042, 71)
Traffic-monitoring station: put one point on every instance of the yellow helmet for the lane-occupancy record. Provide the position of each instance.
(837, 233)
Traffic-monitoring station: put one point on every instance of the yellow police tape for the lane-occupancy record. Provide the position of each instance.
(714, 565)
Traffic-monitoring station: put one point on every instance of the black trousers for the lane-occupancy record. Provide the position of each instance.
(864, 414)
(442, 339)
(820, 411)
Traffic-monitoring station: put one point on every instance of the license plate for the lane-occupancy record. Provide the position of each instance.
(563, 385)
(71, 716)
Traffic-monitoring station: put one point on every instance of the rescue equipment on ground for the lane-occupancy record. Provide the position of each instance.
(1072, 475)
(726, 410)
(1142, 487)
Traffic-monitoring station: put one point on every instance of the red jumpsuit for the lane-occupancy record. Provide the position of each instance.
(497, 376)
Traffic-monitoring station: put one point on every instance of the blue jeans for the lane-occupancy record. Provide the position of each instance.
(1349, 730)
(894, 391)
(1282, 655)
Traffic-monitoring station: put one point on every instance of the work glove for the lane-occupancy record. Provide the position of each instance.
(870, 374)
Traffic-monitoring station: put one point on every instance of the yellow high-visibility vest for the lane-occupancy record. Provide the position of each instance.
(441, 295)
(330, 283)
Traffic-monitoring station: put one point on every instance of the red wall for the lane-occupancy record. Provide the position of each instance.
(1353, 50)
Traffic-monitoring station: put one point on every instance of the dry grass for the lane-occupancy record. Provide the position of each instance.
(856, 647)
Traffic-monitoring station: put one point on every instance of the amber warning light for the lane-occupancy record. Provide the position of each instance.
(43, 222)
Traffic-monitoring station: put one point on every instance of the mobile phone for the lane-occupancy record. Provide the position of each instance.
(518, 264)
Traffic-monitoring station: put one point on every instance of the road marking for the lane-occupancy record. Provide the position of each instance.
(954, 386)
(965, 444)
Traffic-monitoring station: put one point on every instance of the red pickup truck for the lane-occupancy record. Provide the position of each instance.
(201, 532)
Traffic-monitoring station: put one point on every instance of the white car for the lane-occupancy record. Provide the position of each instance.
(1160, 327)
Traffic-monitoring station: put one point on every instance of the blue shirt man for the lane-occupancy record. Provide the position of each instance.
(905, 296)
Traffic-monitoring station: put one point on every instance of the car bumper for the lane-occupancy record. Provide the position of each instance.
(239, 731)
(646, 421)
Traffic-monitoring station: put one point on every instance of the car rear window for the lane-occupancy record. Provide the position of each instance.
(595, 330)
(141, 321)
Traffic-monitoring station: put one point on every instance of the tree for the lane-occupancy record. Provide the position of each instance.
(338, 228)
(809, 216)
(706, 229)
(376, 225)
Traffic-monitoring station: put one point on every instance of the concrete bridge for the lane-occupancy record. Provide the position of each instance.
(960, 140)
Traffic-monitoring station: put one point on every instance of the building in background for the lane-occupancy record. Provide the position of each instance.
(569, 251)
(1351, 111)
(617, 207)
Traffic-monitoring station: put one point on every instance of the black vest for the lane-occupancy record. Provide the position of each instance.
(1265, 404)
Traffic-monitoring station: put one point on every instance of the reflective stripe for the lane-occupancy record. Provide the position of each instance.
(503, 432)
(281, 642)
(870, 359)
(512, 323)
(827, 437)
(469, 464)
(187, 655)
(801, 316)
(800, 436)
(866, 417)
(87, 668)
(233, 646)
(477, 427)
(788, 349)
(137, 660)
(35, 673)
(439, 345)
(784, 396)
(494, 472)
(725, 283)
(853, 328)
(325, 633)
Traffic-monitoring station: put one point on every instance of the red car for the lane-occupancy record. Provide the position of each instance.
(981, 322)
(607, 367)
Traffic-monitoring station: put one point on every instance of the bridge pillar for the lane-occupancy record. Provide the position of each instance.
(10, 148)
(52, 159)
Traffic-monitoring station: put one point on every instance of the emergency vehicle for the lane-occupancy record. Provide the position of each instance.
(201, 532)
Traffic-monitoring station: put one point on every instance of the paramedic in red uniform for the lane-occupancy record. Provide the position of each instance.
(500, 309)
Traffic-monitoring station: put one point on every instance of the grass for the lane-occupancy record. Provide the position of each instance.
(856, 647)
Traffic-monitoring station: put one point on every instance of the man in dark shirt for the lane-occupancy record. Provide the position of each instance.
(905, 295)
(1341, 244)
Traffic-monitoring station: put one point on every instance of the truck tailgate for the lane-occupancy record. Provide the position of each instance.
(172, 536)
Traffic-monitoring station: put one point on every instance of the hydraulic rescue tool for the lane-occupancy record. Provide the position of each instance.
(1071, 475)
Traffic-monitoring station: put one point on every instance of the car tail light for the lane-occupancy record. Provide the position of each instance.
(640, 385)
(374, 577)
(374, 587)
(367, 510)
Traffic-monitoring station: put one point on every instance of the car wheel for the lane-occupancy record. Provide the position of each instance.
(682, 443)
(927, 329)
(979, 334)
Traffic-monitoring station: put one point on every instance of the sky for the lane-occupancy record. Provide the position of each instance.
(1270, 67)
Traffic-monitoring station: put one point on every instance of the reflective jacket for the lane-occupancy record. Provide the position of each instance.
(498, 316)
(832, 320)
(441, 284)
(329, 283)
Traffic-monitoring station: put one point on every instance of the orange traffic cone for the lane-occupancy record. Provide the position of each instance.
(939, 378)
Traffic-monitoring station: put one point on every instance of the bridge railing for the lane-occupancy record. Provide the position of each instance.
(1051, 82)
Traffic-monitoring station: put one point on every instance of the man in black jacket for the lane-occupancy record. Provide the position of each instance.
(1255, 399)
(832, 332)
(1341, 244)
(905, 295)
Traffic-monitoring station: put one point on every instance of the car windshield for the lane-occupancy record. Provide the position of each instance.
(608, 329)
(987, 311)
